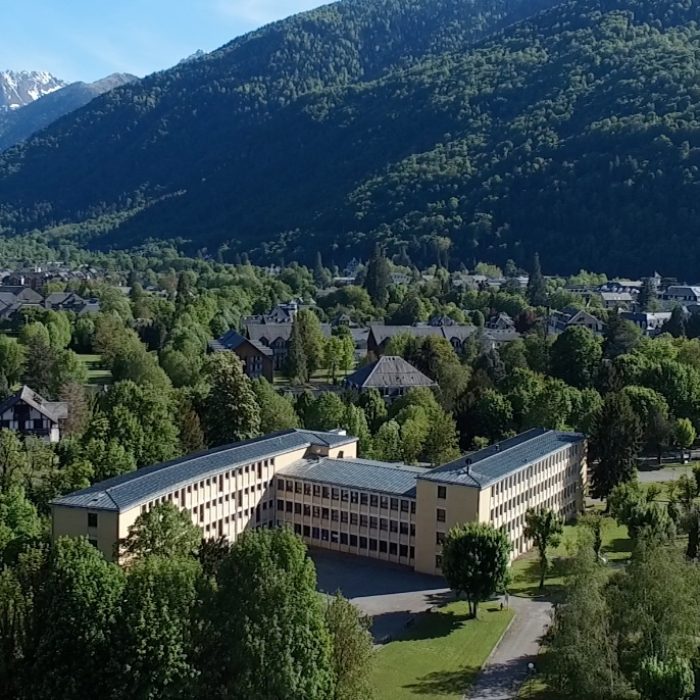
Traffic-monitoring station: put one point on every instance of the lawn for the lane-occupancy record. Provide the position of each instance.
(439, 656)
(97, 375)
(525, 570)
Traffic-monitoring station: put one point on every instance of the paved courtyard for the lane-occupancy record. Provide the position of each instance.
(390, 594)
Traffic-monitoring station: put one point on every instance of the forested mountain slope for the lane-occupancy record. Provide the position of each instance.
(573, 132)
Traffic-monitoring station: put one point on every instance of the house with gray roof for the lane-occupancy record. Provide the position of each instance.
(390, 375)
(30, 414)
(257, 358)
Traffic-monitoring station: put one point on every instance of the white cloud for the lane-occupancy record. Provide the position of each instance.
(255, 13)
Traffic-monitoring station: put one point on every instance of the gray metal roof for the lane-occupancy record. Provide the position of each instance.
(128, 490)
(388, 372)
(231, 340)
(360, 474)
(267, 333)
(482, 468)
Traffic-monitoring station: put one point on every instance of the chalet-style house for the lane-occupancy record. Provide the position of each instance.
(390, 375)
(559, 321)
(257, 358)
(29, 414)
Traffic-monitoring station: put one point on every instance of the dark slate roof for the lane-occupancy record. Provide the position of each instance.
(361, 474)
(484, 467)
(53, 410)
(382, 333)
(388, 372)
(267, 333)
(231, 340)
(128, 490)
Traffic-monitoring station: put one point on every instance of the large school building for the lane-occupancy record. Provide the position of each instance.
(314, 483)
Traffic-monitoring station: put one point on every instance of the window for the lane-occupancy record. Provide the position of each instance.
(374, 501)
(403, 528)
(372, 545)
(382, 546)
(307, 509)
(363, 542)
(343, 538)
(403, 550)
(393, 548)
(93, 542)
(325, 513)
(315, 533)
(353, 518)
(317, 511)
(297, 508)
(383, 524)
(335, 494)
(317, 490)
(353, 540)
(343, 516)
(325, 492)
(334, 516)
(288, 506)
(373, 522)
(344, 495)
(363, 521)
(438, 561)
(393, 526)
(354, 496)
(92, 519)
(363, 499)
(394, 504)
(384, 502)
(297, 487)
(442, 492)
(439, 537)
(440, 515)
(307, 489)
(404, 506)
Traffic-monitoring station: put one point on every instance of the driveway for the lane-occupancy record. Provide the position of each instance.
(506, 669)
(390, 594)
(647, 476)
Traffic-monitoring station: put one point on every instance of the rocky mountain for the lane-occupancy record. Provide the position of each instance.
(19, 88)
(19, 124)
(492, 128)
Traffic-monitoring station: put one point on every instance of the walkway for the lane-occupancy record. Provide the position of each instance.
(506, 669)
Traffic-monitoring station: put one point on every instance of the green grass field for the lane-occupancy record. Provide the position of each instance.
(97, 375)
(439, 656)
(525, 571)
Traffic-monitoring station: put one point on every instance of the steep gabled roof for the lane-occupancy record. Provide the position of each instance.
(388, 372)
(53, 410)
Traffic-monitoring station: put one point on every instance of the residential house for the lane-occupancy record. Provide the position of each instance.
(649, 322)
(501, 322)
(682, 293)
(559, 321)
(276, 336)
(30, 414)
(257, 358)
(614, 300)
(390, 375)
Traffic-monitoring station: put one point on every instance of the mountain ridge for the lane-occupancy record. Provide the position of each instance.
(19, 124)
(571, 131)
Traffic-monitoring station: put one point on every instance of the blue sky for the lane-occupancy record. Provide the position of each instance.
(88, 39)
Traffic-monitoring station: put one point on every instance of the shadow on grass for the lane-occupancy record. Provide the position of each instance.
(620, 545)
(444, 682)
(526, 581)
(429, 625)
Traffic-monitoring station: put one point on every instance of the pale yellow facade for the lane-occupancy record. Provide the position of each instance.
(404, 523)
(356, 521)
(222, 504)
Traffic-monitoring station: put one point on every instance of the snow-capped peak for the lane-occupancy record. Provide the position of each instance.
(18, 88)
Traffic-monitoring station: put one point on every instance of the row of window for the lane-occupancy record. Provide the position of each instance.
(506, 507)
(364, 544)
(519, 477)
(346, 495)
(332, 515)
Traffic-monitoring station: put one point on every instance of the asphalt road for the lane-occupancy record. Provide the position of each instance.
(507, 667)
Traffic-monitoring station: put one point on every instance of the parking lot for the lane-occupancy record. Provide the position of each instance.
(390, 594)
